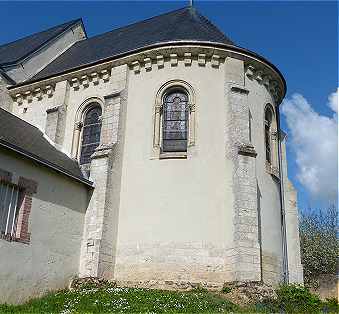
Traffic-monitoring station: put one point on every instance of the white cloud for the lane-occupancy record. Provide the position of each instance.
(314, 139)
(333, 101)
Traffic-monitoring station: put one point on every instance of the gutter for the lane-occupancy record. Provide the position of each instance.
(45, 163)
(282, 206)
(159, 45)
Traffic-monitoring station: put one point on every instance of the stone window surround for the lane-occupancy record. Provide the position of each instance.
(272, 167)
(157, 120)
(80, 115)
(28, 188)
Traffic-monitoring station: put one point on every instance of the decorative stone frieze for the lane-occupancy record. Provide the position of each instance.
(262, 77)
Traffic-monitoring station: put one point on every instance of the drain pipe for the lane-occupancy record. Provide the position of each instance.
(282, 203)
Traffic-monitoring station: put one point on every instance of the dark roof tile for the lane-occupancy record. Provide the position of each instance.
(180, 25)
(30, 141)
(17, 50)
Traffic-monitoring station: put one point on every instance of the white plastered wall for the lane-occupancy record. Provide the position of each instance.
(51, 258)
(175, 215)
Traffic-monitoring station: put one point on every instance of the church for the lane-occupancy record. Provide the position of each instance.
(150, 155)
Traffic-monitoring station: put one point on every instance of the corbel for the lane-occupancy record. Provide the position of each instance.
(187, 58)
(266, 80)
(215, 61)
(201, 59)
(250, 70)
(28, 96)
(258, 75)
(38, 93)
(136, 67)
(84, 81)
(148, 64)
(95, 78)
(105, 75)
(49, 90)
(160, 61)
(19, 99)
(75, 83)
(174, 59)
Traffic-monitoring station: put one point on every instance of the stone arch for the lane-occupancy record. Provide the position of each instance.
(157, 121)
(79, 117)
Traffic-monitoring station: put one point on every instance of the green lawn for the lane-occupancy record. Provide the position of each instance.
(124, 300)
(107, 298)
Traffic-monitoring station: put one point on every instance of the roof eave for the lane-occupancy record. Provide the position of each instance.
(161, 44)
(44, 162)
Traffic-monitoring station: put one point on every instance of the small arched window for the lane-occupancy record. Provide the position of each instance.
(91, 131)
(268, 132)
(175, 121)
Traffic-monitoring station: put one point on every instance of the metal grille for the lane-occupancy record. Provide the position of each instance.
(90, 134)
(175, 122)
(9, 208)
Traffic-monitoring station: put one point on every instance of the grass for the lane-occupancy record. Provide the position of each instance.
(124, 300)
(90, 299)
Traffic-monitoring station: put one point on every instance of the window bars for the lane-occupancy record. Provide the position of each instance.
(9, 208)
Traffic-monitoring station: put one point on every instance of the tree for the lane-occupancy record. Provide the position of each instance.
(319, 243)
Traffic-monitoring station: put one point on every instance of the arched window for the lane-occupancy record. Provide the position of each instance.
(268, 132)
(91, 131)
(175, 121)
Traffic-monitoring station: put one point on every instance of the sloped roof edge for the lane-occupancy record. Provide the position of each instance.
(22, 57)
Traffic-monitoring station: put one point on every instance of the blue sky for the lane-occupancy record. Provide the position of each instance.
(300, 38)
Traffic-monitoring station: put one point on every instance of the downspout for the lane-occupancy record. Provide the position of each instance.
(282, 204)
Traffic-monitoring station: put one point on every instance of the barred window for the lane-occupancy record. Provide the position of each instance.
(90, 134)
(10, 199)
(175, 122)
(268, 125)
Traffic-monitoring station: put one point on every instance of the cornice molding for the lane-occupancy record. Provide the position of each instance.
(256, 68)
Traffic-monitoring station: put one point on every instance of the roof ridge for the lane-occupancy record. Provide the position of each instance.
(69, 23)
(195, 11)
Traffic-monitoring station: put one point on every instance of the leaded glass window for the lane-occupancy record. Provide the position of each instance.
(90, 134)
(175, 122)
(268, 123)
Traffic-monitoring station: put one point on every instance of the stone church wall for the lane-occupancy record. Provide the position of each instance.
(51, 258)
(175, 216)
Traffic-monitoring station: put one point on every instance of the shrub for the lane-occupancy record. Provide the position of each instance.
(297, 299)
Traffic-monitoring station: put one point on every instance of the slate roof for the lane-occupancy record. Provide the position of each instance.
(181, 25)
(27, 140)
(17, 50)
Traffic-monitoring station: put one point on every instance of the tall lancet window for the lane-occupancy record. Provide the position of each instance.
(90, 133)
(268, 131)
(175, 121)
